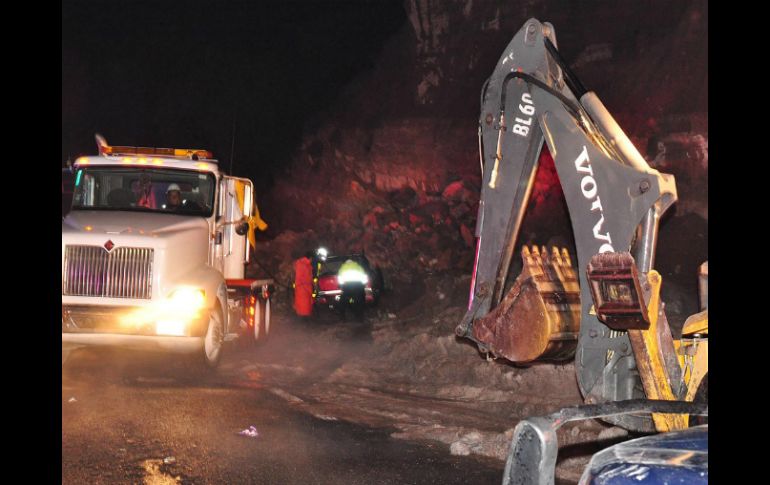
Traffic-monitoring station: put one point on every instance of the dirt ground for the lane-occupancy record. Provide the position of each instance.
(404, 368)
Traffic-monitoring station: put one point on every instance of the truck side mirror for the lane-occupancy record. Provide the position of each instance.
(242, 228)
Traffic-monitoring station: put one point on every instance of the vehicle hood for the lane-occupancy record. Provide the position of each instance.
(110, 224)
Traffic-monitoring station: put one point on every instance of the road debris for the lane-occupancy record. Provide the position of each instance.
(169, 460)
(154, 476)
(285, 395)
(250, 432)
(325, 417)
(468, 443)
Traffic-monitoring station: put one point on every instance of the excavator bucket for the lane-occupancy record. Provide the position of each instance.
(539, 317)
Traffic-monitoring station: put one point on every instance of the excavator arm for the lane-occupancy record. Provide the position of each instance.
(614, 198)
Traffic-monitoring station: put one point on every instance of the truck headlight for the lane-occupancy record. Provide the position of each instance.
(187, 299)
(171, 316)
(182, 306)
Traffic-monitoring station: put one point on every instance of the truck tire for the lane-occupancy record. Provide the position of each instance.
(262, 320)
(265, 312)
(214, 339)
(258, 332)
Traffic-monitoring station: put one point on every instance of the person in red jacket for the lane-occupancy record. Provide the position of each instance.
(146, 195)
(303, 286)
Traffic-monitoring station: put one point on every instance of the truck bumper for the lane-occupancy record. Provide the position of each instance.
(180, 345)
(97, 325)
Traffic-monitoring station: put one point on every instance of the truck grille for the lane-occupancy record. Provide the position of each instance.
(121, 273)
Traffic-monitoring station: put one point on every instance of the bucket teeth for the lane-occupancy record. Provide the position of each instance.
(556, 257)
(537, 256)
(553, 265)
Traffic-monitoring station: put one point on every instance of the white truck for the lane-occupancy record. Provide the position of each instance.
(154, 252)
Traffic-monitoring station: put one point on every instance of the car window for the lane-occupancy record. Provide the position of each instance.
(330, 267)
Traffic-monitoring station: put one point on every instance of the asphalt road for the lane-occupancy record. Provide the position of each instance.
(124, 413)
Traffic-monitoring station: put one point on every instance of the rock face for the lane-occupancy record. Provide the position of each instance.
(393, 169)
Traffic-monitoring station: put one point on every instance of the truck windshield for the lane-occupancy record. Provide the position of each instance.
(144, 189)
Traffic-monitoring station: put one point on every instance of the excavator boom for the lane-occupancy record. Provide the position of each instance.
(614, 200)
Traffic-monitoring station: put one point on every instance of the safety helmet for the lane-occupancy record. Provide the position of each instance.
(173, 187)
(322, 253)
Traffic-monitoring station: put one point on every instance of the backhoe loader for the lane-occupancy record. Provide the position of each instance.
(600, 306)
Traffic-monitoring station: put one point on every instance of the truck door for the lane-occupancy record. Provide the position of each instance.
(231, 251)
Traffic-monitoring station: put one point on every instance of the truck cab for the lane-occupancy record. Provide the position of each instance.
(154, 250)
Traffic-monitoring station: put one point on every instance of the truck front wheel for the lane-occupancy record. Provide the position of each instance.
(215, 335)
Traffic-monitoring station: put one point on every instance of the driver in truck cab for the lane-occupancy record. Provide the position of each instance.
(173, 198)
(176, 203)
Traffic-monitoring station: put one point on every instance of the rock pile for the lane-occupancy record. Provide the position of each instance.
(408, 234)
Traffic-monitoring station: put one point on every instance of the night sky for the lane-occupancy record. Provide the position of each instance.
(191, 74)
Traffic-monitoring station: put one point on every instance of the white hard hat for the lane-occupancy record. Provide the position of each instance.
(173, 187)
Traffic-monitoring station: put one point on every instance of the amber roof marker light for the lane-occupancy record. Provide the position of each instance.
(177, 153)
